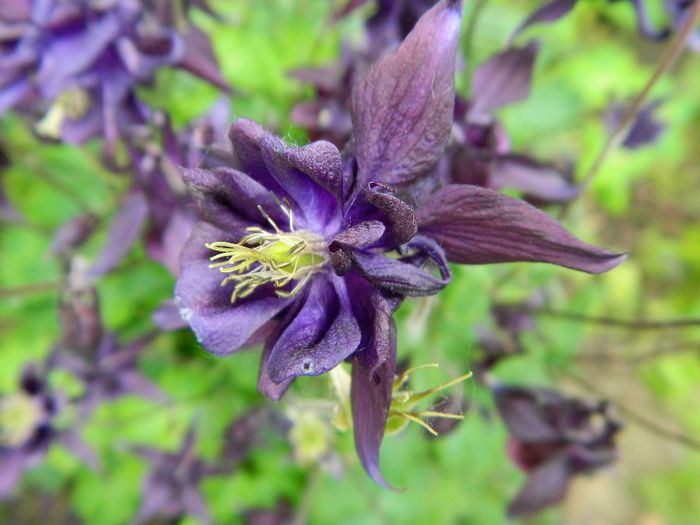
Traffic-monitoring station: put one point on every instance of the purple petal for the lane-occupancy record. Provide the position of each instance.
(524, 413)
(542, 182)
(402, 108)
(229, 199)
(312, 176)
(545, 486)
(194, 504)
(12, 464)
(167, 317)
(546, 14)
(221, 327)
(481, 226)
(71, 55)
(123, 232)
(79, 449)
(370, 392)
(323, 333)
(503, 79)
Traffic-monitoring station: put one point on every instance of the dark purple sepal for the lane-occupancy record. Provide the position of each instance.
(402, 108)
(373, 371)
(481, 226)
(123, 233)
(546, 485)
(538, 181)
(229, 199)
(401, 276)
(356, 236)
(505, 78)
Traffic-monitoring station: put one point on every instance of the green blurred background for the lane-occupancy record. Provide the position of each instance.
(644, 202)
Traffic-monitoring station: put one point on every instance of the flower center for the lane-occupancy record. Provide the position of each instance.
(19, 415)
(276, 257)
(73, 104)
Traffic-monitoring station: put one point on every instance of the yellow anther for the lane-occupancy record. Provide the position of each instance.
(277, 258)
(19, 415)
(73, 104)
(403, 402)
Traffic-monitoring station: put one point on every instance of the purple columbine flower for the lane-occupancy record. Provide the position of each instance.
(86, 58)
(310, 251)
(553, 438)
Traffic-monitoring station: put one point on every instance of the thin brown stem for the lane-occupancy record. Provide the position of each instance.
(667, 60)
(28, 289)
(628, 324)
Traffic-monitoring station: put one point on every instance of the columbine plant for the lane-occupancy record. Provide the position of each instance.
(86, 58)
(311, 251)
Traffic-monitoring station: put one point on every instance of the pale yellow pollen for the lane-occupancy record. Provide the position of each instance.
(263, 257)
(19, 415)
(73, 104)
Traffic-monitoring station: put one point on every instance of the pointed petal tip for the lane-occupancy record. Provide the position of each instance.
(611, 261)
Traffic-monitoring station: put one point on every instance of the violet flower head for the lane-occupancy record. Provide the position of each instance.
(85, 59)
(553, 438)
(310, 251)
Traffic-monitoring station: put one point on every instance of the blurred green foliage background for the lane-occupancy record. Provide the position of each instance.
(644, 202)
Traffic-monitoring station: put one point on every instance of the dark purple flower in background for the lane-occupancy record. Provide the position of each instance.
(83, 60)
(479, 152)
(171, 486)
(553, 438)
(27, 430)
(311, 251)
(646, 128)
(107, 368)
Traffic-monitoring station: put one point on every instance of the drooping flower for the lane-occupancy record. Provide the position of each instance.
(553, 438)
(310, 251)
(84, 59)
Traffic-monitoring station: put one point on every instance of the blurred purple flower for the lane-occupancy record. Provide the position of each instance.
(85, 60)
(171, 488)
(94, 355)
(553, 438)
(645, 129)
(27, 430)
(294, 246)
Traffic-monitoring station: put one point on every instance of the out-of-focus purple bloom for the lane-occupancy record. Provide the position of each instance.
(392, 21)
(157, 166)
(94, 355)
(85, 60)
(553, 438)
(294, 246)
(645, 129)
(27, 430)
(281, 514)
(480, 152)
(171, 487)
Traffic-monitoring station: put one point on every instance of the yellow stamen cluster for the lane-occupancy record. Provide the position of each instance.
(403, 401)
(19, 415)
(73, 104)
(262, 257)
